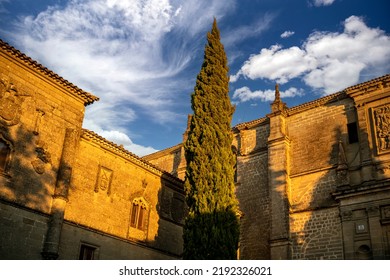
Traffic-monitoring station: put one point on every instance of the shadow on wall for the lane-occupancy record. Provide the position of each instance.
(172, 211)
(318, 226)
(316, 231)
(27, 180)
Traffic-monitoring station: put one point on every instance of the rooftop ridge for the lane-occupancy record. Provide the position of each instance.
(364, 85)
(86, 96)
(166, 150)
(250, 123)
(119, 149)
(320, 101)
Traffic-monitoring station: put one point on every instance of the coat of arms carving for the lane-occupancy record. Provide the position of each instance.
(103, 182)
(10, 103)
(381, 116)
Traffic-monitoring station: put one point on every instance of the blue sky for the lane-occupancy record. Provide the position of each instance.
(141, 57)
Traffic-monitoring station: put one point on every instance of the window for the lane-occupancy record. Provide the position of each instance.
(4, 154)
(138, 214)
(352, 133)
(87, 252)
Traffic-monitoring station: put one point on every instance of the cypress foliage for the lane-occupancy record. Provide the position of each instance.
(211, 229)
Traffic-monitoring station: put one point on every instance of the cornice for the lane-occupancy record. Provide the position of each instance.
(371, 85)
(164, 152)
(350, 92)
(121, 151)
(250, 124)
(87, 97)
(316, 103)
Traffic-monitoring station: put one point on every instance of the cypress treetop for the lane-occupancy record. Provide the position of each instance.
(211, 230)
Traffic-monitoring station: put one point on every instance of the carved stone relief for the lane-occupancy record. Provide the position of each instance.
(10, 103)
(381, 118)
(385, 214)
(103, 182)
(43, 158)
(39, 114)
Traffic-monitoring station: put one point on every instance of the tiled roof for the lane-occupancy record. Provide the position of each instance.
(369, 85)
(87, 97)
(120, 150)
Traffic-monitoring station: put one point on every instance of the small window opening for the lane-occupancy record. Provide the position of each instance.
(352, 133)
(87, 252)
(138, 215)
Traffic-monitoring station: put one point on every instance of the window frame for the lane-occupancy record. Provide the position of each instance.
(139, 214)
(88, 251)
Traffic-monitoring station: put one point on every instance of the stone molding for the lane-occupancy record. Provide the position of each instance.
(121, 151)
(88, 98)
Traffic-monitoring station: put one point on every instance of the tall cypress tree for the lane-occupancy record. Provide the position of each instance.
(211, 229)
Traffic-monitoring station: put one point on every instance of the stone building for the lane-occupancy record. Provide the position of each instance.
(313, 181)
(66, 192)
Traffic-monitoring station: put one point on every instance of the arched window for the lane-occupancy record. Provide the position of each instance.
(4, 155)
(139, 214)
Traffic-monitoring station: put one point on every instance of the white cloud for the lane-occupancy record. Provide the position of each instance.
(244, 32)
(119, 138)
(319, 3)
(324, 58)
(276, 64)
(123, 52)
(287, 34)
(245, 94)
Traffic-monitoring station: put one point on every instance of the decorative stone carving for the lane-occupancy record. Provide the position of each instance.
(385, 212)
(346, 215)
(278, 105)
(103, 182)
(10, 103)
(43, 158)
(144, 183)
(383, 167)
(381, 116)
(373, 210)
(38, 119)
(342, 167)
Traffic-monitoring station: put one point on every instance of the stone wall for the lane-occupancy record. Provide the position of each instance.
(316, 235)
(61, 185)
(304, 172)
(107, 247)
(106, 180)
(22, 232)
(253, 196)
(40, 109)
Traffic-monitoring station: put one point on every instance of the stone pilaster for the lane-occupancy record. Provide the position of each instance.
(365, 150)
(60, 198)
(181, 170)
(278, 178)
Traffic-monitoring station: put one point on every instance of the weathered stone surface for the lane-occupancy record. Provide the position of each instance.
(313, 181)
(62, 186)
(300, 176)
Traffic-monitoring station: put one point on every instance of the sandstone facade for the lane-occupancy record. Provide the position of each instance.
(313, 181)
(66, 192)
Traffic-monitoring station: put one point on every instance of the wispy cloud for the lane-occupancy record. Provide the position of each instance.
(244, 94)
(287, 34)
(324, 58)
(123, 52)
(319, 3)
(245, 32)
